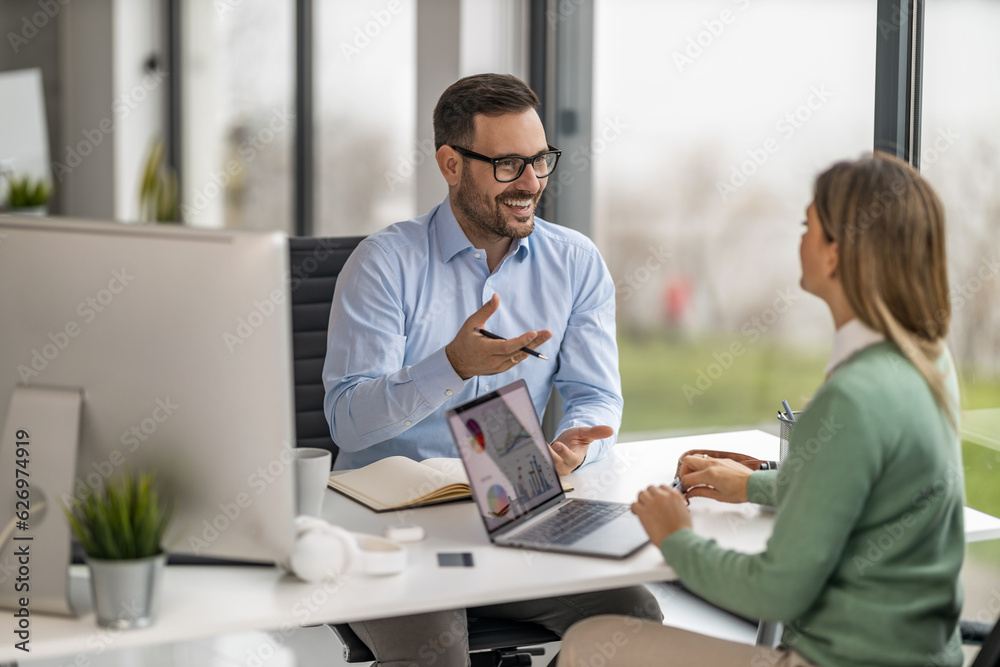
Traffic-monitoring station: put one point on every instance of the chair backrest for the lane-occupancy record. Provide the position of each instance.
(989, 654)
(315, 265)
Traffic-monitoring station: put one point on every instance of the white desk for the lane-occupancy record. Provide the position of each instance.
(203, 601)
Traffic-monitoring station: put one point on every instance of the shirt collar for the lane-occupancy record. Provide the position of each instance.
(850, 338)
(452, 240)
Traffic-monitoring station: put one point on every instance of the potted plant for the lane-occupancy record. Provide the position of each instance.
(158, 187)
(121, 530)
(27, 195)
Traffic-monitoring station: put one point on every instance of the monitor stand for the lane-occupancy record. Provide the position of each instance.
(38, 451)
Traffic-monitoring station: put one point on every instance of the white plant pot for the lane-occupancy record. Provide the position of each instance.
(126, 593)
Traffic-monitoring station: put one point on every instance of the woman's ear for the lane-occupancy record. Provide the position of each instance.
(831, 259)
(450, 164)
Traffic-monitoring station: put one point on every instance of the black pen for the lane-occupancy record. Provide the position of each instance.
(489, 334)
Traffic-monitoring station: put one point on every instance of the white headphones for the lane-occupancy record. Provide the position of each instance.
(324, 551)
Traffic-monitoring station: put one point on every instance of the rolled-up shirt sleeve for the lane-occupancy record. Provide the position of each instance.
(370, 395)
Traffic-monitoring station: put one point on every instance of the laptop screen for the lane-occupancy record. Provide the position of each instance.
(505, 454)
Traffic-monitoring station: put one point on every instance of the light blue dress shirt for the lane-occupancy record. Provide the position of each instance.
(403, 295)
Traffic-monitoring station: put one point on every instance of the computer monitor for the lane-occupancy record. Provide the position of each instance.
(179, 341)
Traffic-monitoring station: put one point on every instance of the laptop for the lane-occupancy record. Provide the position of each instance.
(517, 490)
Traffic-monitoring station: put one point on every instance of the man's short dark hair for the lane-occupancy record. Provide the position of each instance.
(487, 94)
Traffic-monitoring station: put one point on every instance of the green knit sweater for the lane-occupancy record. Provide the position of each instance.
(863, 563)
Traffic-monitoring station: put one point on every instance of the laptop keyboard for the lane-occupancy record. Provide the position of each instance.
(572, 521)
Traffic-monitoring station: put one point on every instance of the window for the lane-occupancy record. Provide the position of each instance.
(710, 124)
(238, 121)
(365, 93)
(959, 156)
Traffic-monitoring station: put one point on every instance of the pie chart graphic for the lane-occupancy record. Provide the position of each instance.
(478, 440)
(498, 501)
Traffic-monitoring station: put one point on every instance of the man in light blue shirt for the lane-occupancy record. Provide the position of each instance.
(408, 289)
(403, 345)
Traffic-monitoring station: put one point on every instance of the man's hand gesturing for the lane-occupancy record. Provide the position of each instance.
(570, 448)
(474, 354)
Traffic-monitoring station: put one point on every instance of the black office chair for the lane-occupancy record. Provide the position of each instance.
(979, 632)
(315, 265)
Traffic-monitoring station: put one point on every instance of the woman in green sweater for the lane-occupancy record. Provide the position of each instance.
(863, 564)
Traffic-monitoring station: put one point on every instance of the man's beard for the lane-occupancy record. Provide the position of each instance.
(488, 217)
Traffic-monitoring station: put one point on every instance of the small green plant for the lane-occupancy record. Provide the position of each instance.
(158, 187)
(124, 520)
(26, 192)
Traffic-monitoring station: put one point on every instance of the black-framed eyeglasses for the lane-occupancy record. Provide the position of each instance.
(510, 168)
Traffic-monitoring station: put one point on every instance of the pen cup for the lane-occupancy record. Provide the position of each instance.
(785, 433)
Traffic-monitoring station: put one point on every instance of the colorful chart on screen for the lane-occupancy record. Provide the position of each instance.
(498, 500)
(477, 440)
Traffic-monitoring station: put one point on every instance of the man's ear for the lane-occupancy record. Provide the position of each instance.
(450, 164)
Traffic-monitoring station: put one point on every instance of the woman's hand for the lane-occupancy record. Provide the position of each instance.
(662, 511)
(724, 480)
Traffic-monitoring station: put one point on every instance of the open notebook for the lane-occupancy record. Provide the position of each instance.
(396, 483)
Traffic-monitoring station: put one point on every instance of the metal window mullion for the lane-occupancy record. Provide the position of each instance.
(175, 109)
(898, 78)
(303, 174)
(915, 81)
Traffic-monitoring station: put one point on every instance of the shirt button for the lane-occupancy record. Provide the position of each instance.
(407, 422)
(489, 282)
(477, 255)
(448, 392)
(487, 387)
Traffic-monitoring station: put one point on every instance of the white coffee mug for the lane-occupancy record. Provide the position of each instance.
(312, 470)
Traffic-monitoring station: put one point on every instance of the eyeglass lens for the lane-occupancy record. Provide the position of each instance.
(509, 169)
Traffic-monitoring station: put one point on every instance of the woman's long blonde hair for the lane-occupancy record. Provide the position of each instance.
(889, 226)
